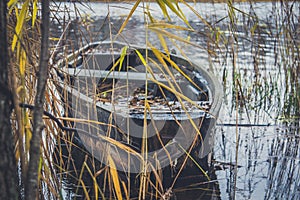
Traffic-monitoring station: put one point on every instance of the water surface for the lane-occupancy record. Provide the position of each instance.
(256, 152)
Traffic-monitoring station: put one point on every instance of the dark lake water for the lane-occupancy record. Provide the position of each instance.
(258, 129)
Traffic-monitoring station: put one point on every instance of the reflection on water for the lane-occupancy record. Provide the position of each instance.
(263, 52)
(269, 160)
(79, 168)
(284, 166)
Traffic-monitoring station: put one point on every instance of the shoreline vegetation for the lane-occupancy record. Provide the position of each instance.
(198, 1)
(251, 46)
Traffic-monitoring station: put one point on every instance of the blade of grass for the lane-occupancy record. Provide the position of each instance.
(122, 56)
(81, 182)
(34, 12)
(128, 17)
(125, 190)
(115, 177)
(163, 8)
(12, 3)
(87, 196)
(164, 25)
(95, 184)
(20, 22)
(196, 163)
(160, 57)
(175, 37)
(163, 43)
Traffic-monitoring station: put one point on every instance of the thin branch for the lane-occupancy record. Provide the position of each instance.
(52, 117)
(32, 182)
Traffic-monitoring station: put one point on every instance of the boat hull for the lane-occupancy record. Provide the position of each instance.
(134, 135)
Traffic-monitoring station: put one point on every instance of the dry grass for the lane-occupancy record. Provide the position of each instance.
(63, 156)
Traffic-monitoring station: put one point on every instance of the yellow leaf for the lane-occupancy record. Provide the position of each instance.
(23, 59)
(17, 152)
(129, 16)
(122, 56)
(163, 43)
(196, 13)
(115, 177)
(19, 89)
(34, 11)
(152, 20)
(175, 66)
(171, 6)
(20, 21)
(96, 186)
(173, 36)
(195, 162)
(87, 196)
(141, 57)
(11, 3)
(163, 8)
(125, 189)
(27, 132)
(18, 51)
(165, 25)
(54, 38)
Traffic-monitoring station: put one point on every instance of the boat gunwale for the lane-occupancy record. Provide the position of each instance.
(215, 93)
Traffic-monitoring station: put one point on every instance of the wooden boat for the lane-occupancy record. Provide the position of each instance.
(139, 107)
